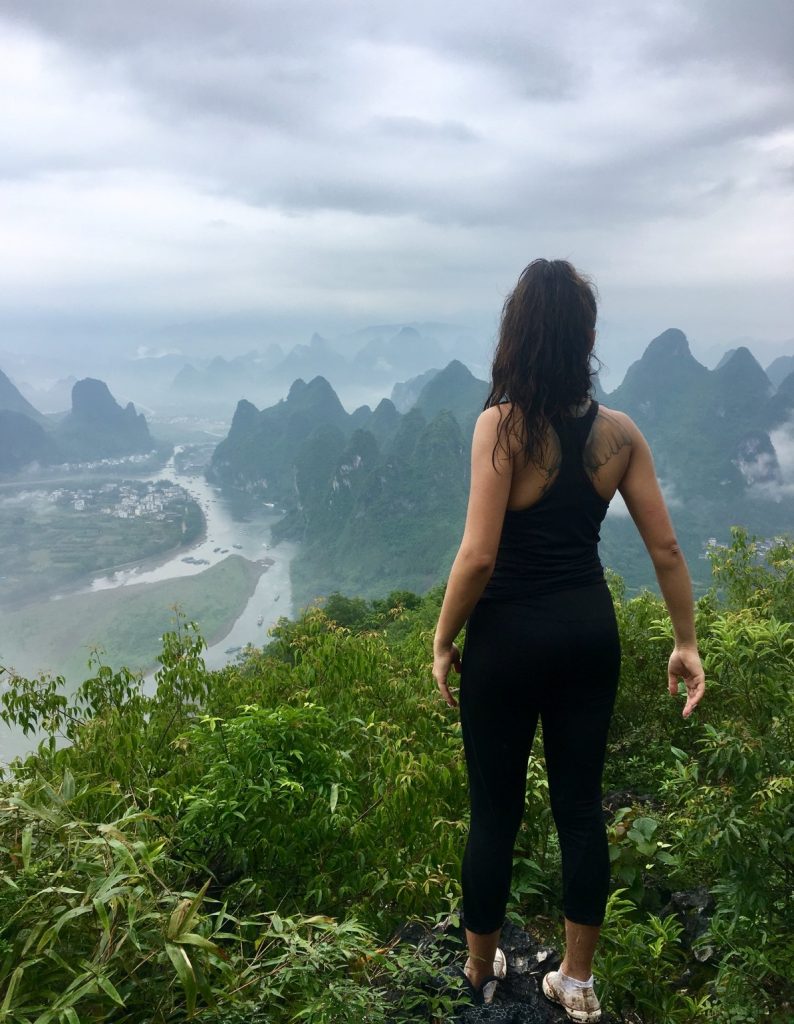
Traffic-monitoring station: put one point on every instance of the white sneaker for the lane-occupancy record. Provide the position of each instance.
(581, 1004)
(500, 972)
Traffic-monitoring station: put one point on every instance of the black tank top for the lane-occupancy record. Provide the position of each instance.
(553, 544)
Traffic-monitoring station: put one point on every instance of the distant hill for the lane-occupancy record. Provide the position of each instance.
(779, 369)
(724, 358)
(405, 393)
(703, 424)
(98, 427)
(246, 375)
(259, 452)
(318, 358)
(780, 408)
(454, 388)
(374, 358)
(23, 441)
(54, 399)
(12, 400)
(406, 351)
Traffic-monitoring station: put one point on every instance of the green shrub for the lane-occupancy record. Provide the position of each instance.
(241, 844)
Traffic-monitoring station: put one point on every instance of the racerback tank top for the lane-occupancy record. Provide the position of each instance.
(553, 544)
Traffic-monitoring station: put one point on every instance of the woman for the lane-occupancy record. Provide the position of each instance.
(542, 639)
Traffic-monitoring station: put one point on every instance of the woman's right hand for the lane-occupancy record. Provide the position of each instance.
(685, 664)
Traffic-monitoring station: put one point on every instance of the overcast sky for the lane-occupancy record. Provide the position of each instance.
(327, 165)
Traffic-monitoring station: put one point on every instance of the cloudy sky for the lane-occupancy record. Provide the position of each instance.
(322, 164)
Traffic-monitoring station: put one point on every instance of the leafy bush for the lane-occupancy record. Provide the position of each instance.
(640, 963)
(241, 844)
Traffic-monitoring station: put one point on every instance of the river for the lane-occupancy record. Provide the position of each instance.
(234, 525)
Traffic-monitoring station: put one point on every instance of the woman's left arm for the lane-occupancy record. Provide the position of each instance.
(474, 562)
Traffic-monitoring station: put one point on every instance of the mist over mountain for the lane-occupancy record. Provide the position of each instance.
(353, 484)
(52, 398)
(780, 407)
(361, 366)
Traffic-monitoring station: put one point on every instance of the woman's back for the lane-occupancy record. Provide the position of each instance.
(605, 457)
(549, 539)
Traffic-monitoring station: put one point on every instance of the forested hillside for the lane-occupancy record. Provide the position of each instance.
(378, 497)
(249, 844)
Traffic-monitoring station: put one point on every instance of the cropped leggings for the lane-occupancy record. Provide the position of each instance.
(557, 660)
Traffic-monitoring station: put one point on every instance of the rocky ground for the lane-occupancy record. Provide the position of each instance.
(518, 998)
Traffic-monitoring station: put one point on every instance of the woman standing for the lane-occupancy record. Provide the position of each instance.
(542, 639)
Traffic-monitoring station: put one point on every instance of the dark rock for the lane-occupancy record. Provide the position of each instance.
(617, 798)
(518, 998)
(693, 908)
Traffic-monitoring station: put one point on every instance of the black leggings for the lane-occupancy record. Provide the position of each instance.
(558, 659)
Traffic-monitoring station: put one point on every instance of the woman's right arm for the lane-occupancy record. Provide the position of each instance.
(643, 497)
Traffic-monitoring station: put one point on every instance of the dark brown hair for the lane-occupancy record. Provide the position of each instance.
(543, 358)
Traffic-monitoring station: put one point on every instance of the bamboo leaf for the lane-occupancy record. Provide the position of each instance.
(102, 914)
(15, 978)
(27, 839)
(62, 920)
(107, 986)
(183, 916)
(184, 970)
(194, 939)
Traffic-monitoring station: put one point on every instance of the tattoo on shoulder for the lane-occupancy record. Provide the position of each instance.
(551, 461)
(607, 437)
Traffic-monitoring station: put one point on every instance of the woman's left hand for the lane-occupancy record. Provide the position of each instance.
(445, 658)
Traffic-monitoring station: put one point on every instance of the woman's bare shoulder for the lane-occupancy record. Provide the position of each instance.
(494, 414)
(490, 419)
(617, 422)
(616, 417)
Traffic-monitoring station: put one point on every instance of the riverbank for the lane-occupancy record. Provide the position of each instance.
(126, 622)
(56, 540)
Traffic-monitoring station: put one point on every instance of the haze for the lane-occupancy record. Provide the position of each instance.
(202, 177)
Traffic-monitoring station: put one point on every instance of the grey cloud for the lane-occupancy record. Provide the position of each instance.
(203, 26)
(754, 38)
(523, 127)
(417, 128)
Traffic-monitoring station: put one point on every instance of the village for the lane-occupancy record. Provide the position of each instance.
(125, 500)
